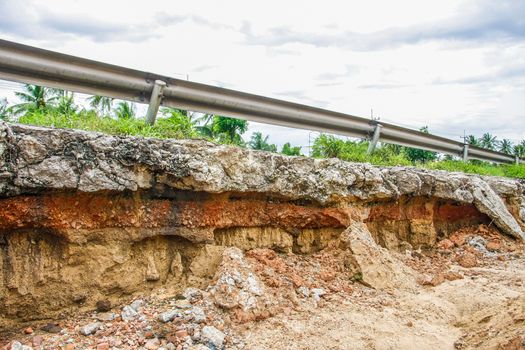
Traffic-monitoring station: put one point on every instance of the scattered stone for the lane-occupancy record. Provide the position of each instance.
(16, 345)
(28, 330)
(452, 276)
(212, 336)
(69, 347)
(152, 344)
(235, 284)
(432, 280)
(445, 244)
(90, 328)
(467, 260)
(183, 304)
(317, 293)
(103, 346)
(106, 316)
(479, 243)
(192, 294)
(168, 316)
(410, 324)
(79, 298)
(103, 305)
(170, 346)
(128, 313)
(304, 291)
(37, 340)
(181, 333)
(199, 316)
(137, 304)
(51, 328)
(494, 246)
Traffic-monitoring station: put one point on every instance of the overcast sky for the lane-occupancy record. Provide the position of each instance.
(450, 65)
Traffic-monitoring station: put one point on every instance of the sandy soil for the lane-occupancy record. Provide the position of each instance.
(483, 310)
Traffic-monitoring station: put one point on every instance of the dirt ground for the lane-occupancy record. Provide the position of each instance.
(467, 293)
(483, 310)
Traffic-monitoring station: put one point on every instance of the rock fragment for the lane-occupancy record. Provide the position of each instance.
(128, 313)
(90, 328)
(212, 337)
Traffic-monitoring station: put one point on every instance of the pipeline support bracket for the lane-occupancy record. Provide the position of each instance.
(154, 102)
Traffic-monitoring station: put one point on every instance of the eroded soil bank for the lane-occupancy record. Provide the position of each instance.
(89, 220)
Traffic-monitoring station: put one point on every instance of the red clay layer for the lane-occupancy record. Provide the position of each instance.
(91, 211)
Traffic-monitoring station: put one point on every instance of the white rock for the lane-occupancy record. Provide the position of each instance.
(169, 315)
(90, 328)
(137, 304)
(106, 316)
(192, 294)
(199, 315)
(317, 293)
(305, 292)
(212, 336)
(128, 313)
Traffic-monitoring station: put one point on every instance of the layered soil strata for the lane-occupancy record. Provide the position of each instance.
(87, 217)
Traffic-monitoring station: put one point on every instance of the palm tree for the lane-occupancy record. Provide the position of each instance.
(519, 149)
(125, 110)
(488, 141)
(204, 126)
(66, 104)
(35, 97)
(505, 146)
(472, 140)
(102, 103)
(259, 142)
(229, 129)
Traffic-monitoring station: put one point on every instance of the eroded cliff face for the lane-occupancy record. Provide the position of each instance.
(86, 216)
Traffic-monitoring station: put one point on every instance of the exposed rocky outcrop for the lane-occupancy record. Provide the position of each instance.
(86, 216)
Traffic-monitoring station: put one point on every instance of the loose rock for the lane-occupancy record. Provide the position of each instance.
(212, 336)
(90, 328)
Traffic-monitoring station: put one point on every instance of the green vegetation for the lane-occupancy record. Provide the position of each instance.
(57, 108)
(326, 146)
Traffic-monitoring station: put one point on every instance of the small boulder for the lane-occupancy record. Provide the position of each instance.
(90, 328)
(168, 316)
(192, 294)
(128, 313)
(103, 305)
(445, 244)
(212, 336)
(137, 304)
(467, 260)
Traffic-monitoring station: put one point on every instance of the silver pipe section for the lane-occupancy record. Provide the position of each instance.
(27, 64)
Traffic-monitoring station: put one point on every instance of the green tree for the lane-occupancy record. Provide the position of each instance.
(125, 110)
(290, 150)
(229, 130)
(519, 149)
(102, 104)
(327, 146)
(488, 141)
(259, 142)
(66, 104)
(472, 140)
(34, 97)
(418, 155)
(506, 146)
